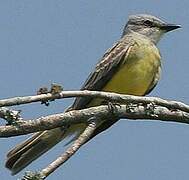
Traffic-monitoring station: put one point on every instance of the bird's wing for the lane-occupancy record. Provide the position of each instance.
(105, 69)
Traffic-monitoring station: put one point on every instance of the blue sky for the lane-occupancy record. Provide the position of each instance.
(42, 42)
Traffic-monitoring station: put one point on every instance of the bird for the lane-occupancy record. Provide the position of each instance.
(131, 66)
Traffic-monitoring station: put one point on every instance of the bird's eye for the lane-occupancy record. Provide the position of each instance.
(148, 23)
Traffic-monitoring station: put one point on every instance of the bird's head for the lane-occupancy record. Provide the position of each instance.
(149, 26)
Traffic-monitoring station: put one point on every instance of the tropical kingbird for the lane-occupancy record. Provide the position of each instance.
(131, 66)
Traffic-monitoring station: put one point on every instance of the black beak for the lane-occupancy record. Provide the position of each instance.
(170, 27)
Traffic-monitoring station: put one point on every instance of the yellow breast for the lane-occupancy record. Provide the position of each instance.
(137, 72)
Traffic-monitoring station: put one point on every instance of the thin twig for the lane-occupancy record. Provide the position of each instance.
(71, 150)
(106, 95)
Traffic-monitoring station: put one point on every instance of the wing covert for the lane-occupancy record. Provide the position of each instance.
(104, 70)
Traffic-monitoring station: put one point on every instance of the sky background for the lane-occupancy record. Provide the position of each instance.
(60, 41)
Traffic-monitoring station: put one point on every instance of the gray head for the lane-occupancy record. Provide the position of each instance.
(149, 26)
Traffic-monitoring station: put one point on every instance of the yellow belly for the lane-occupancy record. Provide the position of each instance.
(136, 74)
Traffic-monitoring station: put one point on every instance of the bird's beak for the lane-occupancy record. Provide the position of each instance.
(169, 27)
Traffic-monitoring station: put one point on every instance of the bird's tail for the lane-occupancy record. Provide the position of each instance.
(23, 154)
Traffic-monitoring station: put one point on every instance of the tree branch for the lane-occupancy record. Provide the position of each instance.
(94, 94)
(130, 111)
(71, 150)
(130, 107)
(172, 111)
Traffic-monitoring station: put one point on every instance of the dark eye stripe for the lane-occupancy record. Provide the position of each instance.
(143, 22)
(148, 23)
